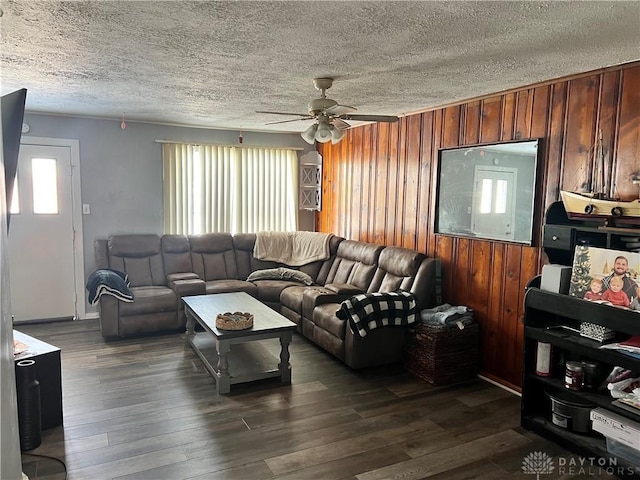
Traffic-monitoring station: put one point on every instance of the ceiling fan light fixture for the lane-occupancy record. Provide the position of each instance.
(323, 132)
(309, 135)
(330, 116)
(336, 134)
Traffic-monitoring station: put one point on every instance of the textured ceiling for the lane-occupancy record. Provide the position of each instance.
(212, 64)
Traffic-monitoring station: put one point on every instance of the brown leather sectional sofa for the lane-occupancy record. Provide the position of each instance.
(162, 269)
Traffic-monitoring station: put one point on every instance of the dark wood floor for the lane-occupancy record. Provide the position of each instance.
(145, 408)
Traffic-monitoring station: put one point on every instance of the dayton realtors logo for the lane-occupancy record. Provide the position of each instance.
(539, 463)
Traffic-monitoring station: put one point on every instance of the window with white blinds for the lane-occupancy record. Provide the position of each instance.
(210, 188)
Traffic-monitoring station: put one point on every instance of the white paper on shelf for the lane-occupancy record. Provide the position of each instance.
(616, 427)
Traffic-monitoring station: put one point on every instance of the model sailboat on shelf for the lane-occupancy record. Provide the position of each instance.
(596, 204)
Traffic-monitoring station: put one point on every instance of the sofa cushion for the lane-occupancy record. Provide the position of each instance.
(325, 267)
(313, 297)
(136, 245)
(139, 256)
(269, 291)
(150, 299)
(213, 257)
(176, 254)
(355, 263)
(397, 269)
(324, 316)
(213, 266)
(280, 273)
(139, 271)
(291, 297)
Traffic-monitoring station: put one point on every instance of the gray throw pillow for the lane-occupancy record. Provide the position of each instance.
(280, 273)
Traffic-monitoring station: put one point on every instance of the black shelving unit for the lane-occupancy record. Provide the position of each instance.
(546, 314)
(561, 235)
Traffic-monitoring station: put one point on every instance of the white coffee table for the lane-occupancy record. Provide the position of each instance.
(248, 360)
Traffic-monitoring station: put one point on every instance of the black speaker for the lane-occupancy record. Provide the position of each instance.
(29, 416)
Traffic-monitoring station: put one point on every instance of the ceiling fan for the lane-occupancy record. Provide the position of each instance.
(330, 116)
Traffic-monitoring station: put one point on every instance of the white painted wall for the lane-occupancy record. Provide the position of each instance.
(122, 170)
(10, 461)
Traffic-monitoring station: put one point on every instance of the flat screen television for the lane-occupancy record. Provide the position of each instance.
(12, 112)
(488, 191)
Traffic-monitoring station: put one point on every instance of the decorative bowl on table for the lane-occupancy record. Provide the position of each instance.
(234, 321)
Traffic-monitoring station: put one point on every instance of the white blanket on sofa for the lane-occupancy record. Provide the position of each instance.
(292, 248)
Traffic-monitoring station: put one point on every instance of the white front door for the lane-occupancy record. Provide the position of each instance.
(41, 236)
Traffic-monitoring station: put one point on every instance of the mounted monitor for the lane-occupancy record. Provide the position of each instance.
(488, 191)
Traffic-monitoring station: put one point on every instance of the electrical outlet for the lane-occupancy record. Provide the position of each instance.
(86, 209)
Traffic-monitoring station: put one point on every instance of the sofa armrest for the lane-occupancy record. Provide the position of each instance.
(185, 284)
(344, 289)
(109, 312)
(188, 287)
(427, 283)
(172, 277)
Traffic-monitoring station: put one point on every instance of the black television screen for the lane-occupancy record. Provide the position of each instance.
(12, 110)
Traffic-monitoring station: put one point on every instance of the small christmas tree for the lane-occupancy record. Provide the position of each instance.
(580, 277)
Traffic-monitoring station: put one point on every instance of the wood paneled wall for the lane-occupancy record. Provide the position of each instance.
(379, 186)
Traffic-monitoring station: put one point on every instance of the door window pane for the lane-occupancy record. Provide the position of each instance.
(14, 208)
(485, 196)
(501, 196)
(45, 185)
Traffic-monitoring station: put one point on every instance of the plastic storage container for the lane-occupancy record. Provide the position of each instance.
(616, 427)
(618, 449)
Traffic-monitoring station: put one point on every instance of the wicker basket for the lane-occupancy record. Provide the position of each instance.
(234, 321)
(443, 354)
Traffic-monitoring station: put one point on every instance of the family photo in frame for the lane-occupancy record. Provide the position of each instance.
(606, 276)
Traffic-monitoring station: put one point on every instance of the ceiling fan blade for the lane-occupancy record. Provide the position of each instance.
(293, 120)
(339, 110)
(341, 124)
(284, 113)
(370, 118)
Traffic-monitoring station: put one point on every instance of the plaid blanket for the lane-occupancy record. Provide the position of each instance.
(367, 311)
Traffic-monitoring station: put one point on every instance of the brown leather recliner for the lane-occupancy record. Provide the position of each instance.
(155, 306)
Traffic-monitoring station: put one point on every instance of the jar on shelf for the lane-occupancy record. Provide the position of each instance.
(590, 374)
(573, 375)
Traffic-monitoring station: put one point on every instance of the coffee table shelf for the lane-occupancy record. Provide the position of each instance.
(247, 361)
(238, 356)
